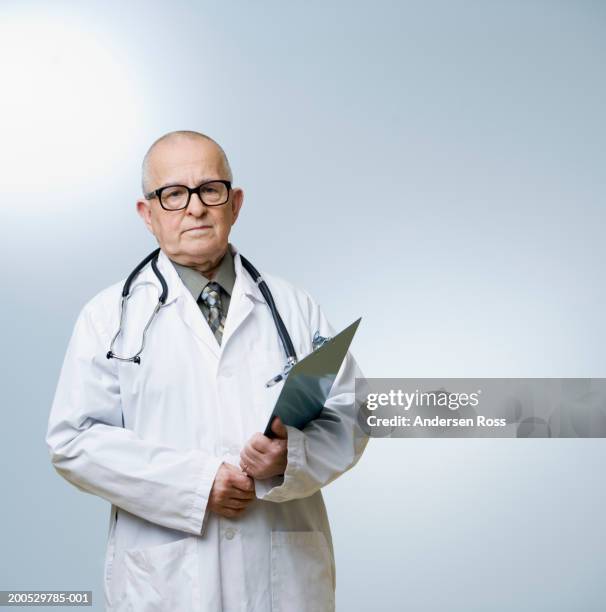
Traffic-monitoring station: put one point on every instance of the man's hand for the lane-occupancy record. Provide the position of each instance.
(231, 492)
(263, 457)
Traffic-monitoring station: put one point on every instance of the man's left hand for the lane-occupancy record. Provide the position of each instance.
(263, 457)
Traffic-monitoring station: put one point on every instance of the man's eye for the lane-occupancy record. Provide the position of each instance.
(174, 193)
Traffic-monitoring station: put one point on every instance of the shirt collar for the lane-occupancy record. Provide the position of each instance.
(196, 281)
(243, 283)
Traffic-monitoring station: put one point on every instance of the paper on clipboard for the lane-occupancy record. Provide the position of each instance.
(309, 382)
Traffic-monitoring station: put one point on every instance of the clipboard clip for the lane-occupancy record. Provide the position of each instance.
(318, 341)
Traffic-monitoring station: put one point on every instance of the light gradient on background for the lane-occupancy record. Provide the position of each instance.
(434, 167)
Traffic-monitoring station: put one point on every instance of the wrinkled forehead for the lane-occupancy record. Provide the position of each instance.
(184, 160)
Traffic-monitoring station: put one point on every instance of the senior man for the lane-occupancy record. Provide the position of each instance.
(207, 513)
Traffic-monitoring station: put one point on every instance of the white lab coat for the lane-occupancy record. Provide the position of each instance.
(190, 405)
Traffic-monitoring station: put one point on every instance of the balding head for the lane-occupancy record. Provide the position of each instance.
(171, 138)
(196, 235)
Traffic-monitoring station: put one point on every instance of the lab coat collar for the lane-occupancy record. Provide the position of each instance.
(185, 303)
(147, 277)
(245, 294)
(248, 285)
(176, 287)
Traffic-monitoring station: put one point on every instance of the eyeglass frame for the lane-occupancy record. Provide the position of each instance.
(157, 193)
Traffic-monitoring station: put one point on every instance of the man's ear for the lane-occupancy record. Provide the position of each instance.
(144, 210)
(237, 198)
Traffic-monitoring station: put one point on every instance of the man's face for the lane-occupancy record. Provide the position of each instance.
(196, 236)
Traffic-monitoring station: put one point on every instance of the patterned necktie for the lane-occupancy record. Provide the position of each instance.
(211, 296)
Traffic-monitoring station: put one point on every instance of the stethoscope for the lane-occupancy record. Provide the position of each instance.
(291, 355)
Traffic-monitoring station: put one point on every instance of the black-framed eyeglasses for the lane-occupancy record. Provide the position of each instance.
(176, 197)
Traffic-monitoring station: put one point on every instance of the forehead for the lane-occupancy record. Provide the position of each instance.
(185, 160)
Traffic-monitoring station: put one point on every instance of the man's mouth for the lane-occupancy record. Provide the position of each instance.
(198, 227)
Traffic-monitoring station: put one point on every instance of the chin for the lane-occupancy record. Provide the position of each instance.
(203, 248)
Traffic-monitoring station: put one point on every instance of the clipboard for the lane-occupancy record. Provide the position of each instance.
(310, 381)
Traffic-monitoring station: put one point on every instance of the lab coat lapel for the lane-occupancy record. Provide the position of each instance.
(245, 295)
(186, 306)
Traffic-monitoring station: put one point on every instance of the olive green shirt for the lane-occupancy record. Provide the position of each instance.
(196, 281)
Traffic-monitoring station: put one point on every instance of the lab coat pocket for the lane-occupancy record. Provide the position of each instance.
(302, 572)
(164, 577)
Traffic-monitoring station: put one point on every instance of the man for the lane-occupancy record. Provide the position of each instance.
(208, 514)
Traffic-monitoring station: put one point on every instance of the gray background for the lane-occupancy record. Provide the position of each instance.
(436, 167)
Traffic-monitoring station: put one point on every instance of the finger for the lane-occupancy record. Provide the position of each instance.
(243, 486)
(236, 494)
(251, 463)
(279, 428)
(234, 475)
(236, 504)
(233, 469)
(259, 443)
(241, 495)
(279, 450)
(250, 456)
(243, 483)
(248, 468)
(232, 513)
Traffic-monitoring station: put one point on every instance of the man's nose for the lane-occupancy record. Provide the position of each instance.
(196, 206)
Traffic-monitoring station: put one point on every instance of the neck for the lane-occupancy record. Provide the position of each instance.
(209, 268)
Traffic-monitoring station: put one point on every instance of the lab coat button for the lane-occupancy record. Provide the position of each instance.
(229, 533)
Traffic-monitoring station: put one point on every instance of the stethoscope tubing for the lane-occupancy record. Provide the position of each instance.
(285, 339)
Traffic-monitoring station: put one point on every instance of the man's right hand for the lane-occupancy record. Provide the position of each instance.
(231, 492)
